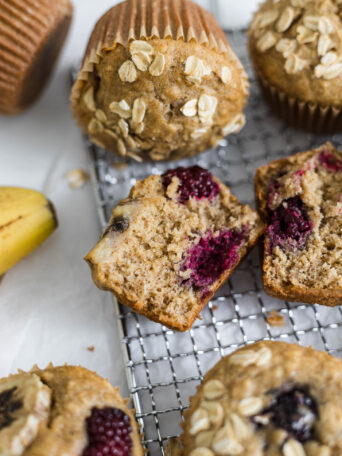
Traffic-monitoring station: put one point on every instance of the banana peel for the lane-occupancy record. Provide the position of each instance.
(25, 406)
(27, 218)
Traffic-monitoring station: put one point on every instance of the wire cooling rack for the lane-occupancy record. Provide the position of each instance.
(164, 367)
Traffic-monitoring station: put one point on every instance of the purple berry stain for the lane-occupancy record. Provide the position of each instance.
(194, 182)
(108, 433)
(289, 224)
(292, 409)
(329, 161)
(211, 257)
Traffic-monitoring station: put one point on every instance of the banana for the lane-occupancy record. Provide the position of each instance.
(24, 406)
(27, 218)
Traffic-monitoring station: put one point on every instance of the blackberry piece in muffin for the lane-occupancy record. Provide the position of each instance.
(300, 197)
(172, 243)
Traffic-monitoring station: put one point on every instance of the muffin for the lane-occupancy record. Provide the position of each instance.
(172, 243)
(267, 399)
(32, 33)
(65, 411)
(159, 81)
(300, 198)
(296, 49)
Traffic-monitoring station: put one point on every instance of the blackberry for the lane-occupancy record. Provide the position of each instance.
(294, 410)
(195, 182)
(329, 161)
(289, 224)
(109, 432)
(211, 257)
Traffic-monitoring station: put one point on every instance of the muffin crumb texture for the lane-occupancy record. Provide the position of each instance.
(267, 399)
(160, 96)
(301, 199)
(171, 244)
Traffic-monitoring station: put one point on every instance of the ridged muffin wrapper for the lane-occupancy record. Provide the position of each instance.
(300, 114)
(139, 20)
(24, 24)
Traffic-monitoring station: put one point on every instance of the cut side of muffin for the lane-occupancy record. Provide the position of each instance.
(172, 243)
(301, 199)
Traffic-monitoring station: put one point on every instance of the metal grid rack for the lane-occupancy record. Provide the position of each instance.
(163, 367)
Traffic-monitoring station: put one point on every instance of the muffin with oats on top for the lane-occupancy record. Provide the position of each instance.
(159, 81)
(296, 49)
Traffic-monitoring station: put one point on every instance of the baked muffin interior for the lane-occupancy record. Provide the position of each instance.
(301, 199)
(169, 246)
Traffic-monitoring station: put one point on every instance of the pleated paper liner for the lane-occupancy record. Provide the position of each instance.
(303, 115)
(31, 35)
(146, 19)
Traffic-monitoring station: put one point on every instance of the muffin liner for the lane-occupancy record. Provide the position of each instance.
(300, 114)
(25, 26)
(144, 20)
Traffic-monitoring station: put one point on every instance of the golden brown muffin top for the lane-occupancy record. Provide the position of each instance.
(296, 46)
(159, 81)
(267, 399)
(48, 412)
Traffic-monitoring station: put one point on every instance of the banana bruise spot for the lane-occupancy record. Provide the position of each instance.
(8, 405)
(25, 404)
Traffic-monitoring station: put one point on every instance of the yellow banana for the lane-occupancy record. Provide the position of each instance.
(27, 218)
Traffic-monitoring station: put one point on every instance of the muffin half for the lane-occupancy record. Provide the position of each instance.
(172, 244)
(300, 198)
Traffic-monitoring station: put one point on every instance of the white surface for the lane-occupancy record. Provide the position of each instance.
(234, 14)
(49, 307)
(231, 14)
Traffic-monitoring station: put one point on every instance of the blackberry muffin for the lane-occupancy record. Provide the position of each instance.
(66, 411)
(32, 33)
(300, 197)
(172, 243)
(267, 399)
(296, 49)
(159, 81)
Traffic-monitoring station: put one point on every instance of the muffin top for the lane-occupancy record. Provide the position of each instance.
(64, 411)
(155, 89)
(296, 46)
(267, 399)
